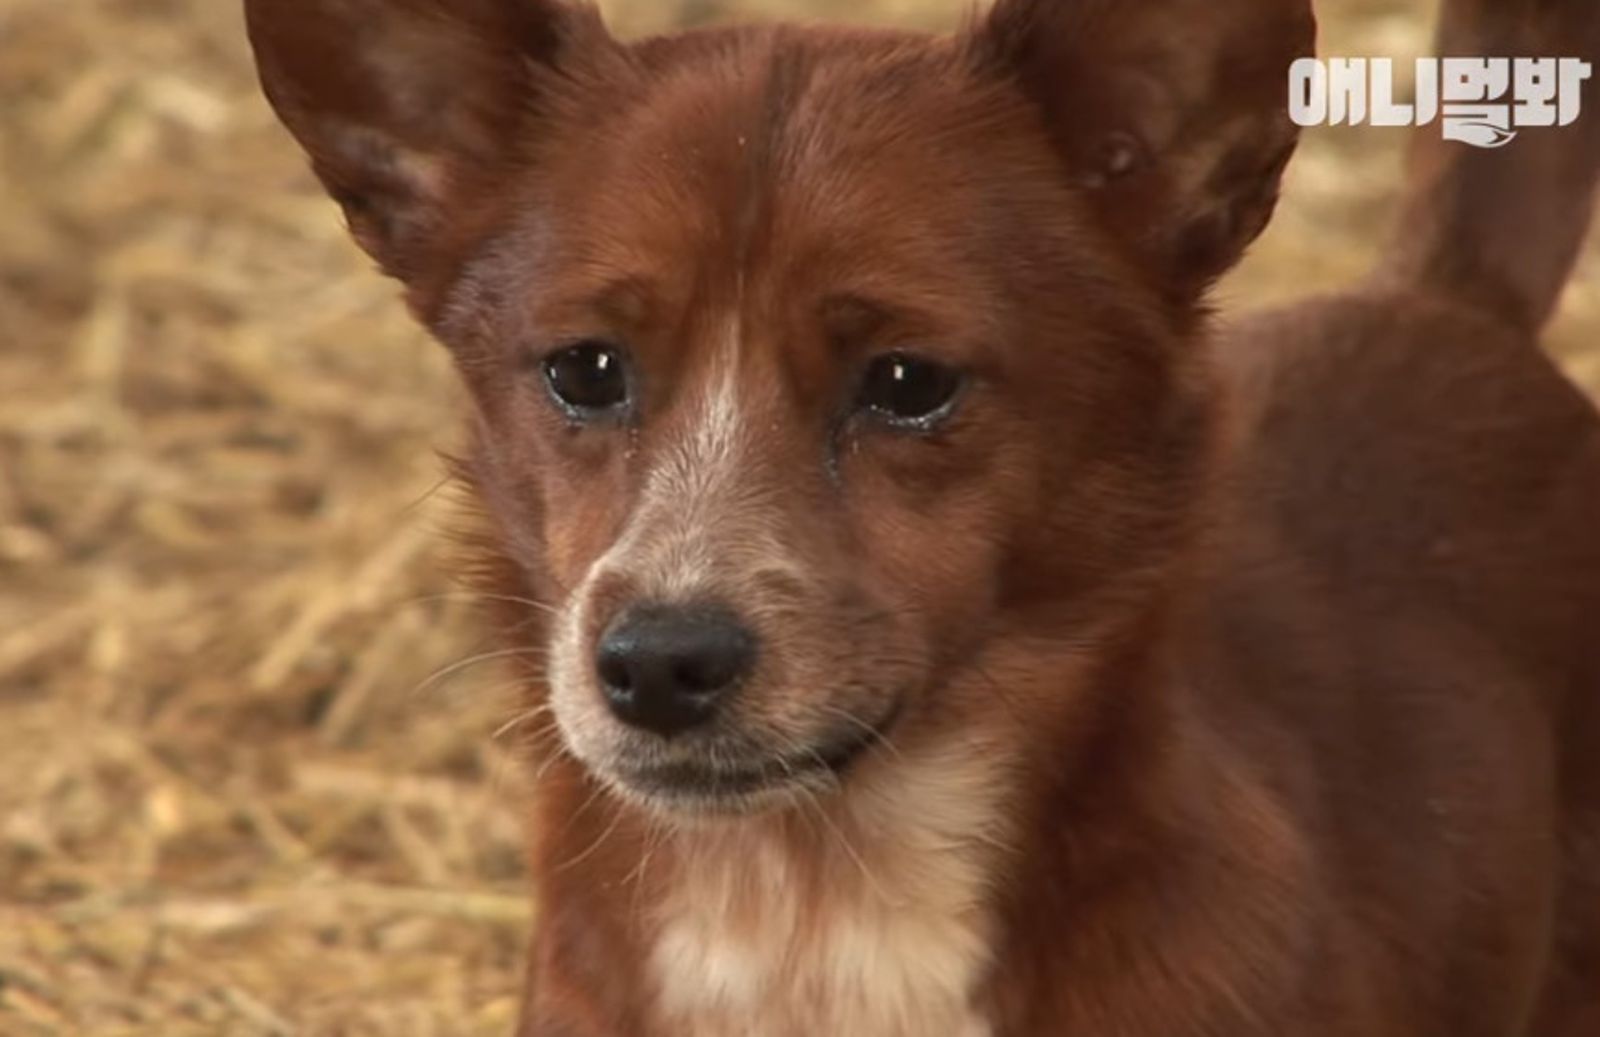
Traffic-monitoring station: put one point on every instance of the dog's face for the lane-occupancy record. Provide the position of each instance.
(774, 431)
(807, 364)
(767, 418)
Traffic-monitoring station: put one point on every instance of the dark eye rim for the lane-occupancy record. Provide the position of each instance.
(934, 419)
(576, 413)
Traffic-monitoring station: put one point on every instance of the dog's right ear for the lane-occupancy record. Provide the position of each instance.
(411, 110)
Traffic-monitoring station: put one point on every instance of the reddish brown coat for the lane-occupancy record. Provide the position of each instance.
(1240, 684)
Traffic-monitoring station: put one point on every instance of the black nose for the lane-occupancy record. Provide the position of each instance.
(667, 669)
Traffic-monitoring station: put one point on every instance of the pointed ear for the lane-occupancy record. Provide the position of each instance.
(1173, 112)
(411, 109)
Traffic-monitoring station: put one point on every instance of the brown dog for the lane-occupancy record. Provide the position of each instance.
(946, 636)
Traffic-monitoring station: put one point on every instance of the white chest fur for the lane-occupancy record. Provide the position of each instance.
(874, 922)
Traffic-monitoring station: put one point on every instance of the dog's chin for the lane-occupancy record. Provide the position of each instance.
(719, 788)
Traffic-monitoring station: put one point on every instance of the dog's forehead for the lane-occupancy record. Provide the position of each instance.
(772, 169)
(736, 140)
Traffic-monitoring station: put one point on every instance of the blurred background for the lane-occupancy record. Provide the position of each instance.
(252, 778)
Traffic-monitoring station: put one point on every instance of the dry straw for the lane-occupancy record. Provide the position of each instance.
(231, 801)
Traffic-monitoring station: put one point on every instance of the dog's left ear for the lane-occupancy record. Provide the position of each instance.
(1173, 112)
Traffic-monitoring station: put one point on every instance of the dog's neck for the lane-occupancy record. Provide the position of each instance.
(868, 915)
(881, 910)
(878, 911)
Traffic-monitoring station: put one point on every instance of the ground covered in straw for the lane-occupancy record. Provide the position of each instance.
(245, 787)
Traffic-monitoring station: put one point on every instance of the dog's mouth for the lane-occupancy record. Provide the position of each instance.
(738, 783)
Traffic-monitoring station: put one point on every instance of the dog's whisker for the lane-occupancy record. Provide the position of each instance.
(557, 754)
(526, 717)
(657, 832)
(616, 819)
(428, 599)
(451, 670)
(849, 848)
(879, 737)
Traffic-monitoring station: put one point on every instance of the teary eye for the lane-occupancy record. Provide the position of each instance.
(906, 390)
(589, 379)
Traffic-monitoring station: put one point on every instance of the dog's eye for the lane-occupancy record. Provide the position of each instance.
(906, 390)
(588, 378)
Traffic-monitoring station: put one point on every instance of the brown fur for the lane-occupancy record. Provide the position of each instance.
(1239, 683)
